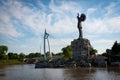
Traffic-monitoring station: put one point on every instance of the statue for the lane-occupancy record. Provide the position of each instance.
(81, 47)
(80, 19)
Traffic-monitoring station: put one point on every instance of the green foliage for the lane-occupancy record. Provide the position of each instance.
(48, 53)
(31, 55)
(14, 61)
(15, 56)
(3, 51)
(38, 54)
(113, 55)
(115, 52)
(67, 52)
(12, 55)
(116, 48)
(22, 55)
(52, 53)
(3, 56)
(93, 52)
(59, 54)
(105, 54)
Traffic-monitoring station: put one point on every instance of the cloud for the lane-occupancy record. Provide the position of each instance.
(64, 6)
(35, 20)
(102, 44)
(91, 10)
(62, 19)
(9, 31)
(114, 24)
(38, 19)
(58, 17)
(6, 26)
(110, 8)
(16, 10)
(107, 23)
(101, 41)
(58, 44)
(103, 25)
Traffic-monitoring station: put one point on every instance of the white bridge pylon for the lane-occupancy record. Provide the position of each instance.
(46, 35)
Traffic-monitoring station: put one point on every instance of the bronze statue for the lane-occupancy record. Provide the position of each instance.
(80, 19)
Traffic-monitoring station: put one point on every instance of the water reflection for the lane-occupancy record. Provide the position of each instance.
(93, 74)
(79, 74)
(28, 72)
(2, 74)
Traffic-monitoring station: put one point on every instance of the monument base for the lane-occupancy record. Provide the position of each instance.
(80, 49)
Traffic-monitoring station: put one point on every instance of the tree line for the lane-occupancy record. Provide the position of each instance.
(11, 55)
(113, 54)
(66, 52)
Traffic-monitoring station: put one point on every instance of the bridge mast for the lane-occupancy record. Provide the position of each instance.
(46, 37)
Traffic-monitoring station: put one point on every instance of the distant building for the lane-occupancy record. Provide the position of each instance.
(100, 61)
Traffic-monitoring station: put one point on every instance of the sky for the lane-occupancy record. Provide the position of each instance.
(22, 23)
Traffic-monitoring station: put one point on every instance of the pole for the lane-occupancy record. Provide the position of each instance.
(49, 48)
(45, 47)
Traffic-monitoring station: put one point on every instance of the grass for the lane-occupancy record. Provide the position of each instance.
(15, 61)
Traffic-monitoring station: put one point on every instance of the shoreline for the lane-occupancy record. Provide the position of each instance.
(10, 62)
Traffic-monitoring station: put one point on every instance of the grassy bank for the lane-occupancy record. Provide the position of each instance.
(15, 61)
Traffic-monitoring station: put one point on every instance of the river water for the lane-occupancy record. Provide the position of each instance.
(28, 72)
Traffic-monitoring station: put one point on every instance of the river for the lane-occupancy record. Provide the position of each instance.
(28, 72)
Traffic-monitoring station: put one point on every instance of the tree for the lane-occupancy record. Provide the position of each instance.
(31, 55)
(22, 55)
(93, 51)
(47, 53)
(67, 52)
(16, 56)
(38, 54)
(59, 54)
(10, 55)
(3, 56)
(116, 48)
(52, 54)
(3, 51)
(115, 52)
(105, 54)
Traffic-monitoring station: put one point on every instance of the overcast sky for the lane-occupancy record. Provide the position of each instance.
(22, 23)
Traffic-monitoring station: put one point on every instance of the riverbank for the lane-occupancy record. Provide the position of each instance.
(15, 61)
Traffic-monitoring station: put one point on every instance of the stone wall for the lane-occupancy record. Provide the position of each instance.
(80, 48)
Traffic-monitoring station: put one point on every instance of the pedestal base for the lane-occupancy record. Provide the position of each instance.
(80, 48)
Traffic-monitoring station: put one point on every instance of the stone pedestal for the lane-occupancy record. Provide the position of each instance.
(80, 48)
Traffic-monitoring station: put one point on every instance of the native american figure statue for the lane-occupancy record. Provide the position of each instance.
(79, 25)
